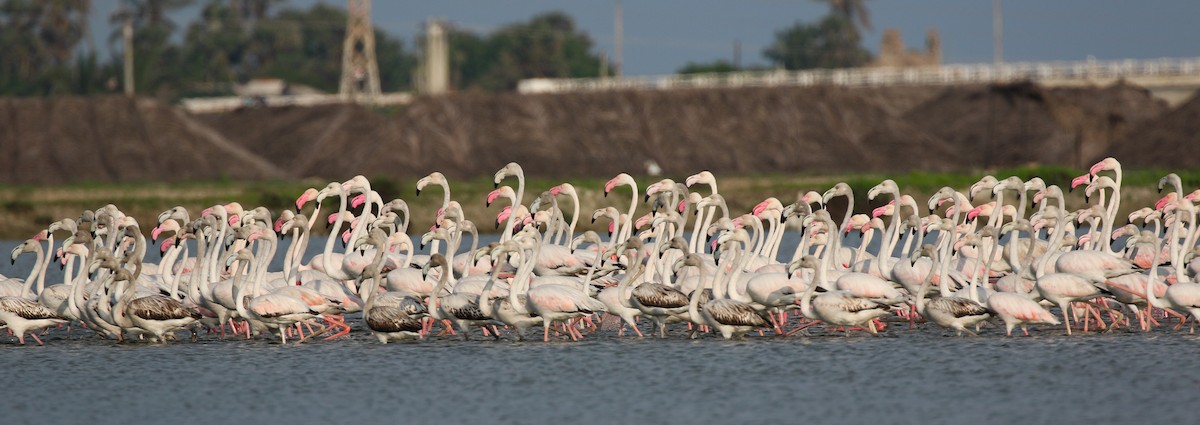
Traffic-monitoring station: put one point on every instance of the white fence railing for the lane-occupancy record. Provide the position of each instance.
(865, 77)
(225, 104)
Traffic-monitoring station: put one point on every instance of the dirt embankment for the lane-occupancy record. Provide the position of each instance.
(1172, 141)
(728, 131)
(114, 138)
(734, 131)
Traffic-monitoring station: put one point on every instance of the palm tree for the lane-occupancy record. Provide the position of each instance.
(851, 10)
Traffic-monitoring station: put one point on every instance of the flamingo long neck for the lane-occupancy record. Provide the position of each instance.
(299, 245)
(776, 237)
(408, 255)
(757, 238)
(520, 197)
(200, 276)
(370, 288)
(1110, 216)
(914, 238)
(925, 284)
(334, 234)
(1151, 297)
(1060, 229)
(627, 229)
(470, 264)
(803, 246)
(41, 283)
(451, 248)
(520, 282)
(953, 236)
(443, 280)
(1177, 247)
(836, 247)
(818, 280)
(485, 297)
(44, 264)
(239, 292)
(943, 263)
(891, 237)
(708, 221)
(270, 244)
(170, 270)
(1014, 239)
(694, 245)
(215, 251)
(364, 220)
(77, 288)
(1189, 238)
(995, 218)
(694, 298)
(734, 289)
(512, 220)
(861, 252)
(39, 255)
(194, 292)
(625, 286)
(720, 291)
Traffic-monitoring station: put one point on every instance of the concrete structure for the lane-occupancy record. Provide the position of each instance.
(208, 105)
(1173, 79)
(360, 71)
(892, 52)
(435, 63)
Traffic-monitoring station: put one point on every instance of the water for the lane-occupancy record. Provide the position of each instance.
(905, 376)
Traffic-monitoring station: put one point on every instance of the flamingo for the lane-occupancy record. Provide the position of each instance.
(838, 308)
(949, 312)
(390, 321)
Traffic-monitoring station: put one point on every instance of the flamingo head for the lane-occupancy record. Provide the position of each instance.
(1106, 164)
(505, 191)
(705, 177)
(642, 221)
(1169, 198)
(887, 209)
(611, 184)
(986, 209)
(308, 195)
(1084, 179)
(503, 215)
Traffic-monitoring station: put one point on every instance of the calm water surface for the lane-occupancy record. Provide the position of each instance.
(906, 376)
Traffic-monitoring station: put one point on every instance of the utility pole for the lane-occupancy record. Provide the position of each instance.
(360, 71)
(997, 33)
(618, 50)
(737, 53)
(127, 34)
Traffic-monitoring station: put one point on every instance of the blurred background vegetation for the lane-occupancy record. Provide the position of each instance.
(49, 50)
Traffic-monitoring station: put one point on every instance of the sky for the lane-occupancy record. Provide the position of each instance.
(662, 36)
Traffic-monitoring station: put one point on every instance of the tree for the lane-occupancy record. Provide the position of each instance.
(851, 11)
(39, 39)
(298, 46)
(719, 66)
(156, 60)
(548, 46)
(830, 43)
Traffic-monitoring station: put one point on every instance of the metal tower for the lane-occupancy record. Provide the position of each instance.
(360, 71)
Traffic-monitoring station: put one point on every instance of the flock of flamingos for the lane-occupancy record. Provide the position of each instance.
(723, 275)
